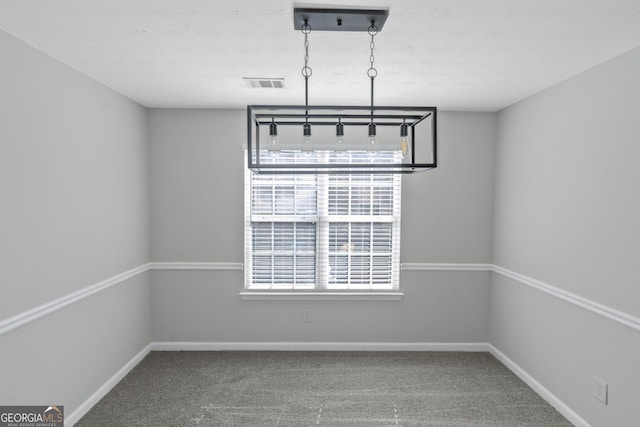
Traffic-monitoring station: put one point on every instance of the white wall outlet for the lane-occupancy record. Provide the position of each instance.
(600, 390)
(306, 315)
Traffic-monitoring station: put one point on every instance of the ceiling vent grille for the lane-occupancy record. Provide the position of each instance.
(260, 82)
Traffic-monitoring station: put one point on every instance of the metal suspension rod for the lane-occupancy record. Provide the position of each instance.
(372, 79)
(306, 94)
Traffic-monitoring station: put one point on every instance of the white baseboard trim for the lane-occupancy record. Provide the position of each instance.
(553, 400)
(75, 416)
(316, 346)
(565, 410)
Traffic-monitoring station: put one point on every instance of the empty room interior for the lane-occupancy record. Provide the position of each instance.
(144, 229)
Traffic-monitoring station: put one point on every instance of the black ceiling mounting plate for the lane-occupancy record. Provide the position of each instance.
(339, 19)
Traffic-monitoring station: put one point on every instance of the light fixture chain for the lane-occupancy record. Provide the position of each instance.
(372, 72)
(373, 30)
(306, 70)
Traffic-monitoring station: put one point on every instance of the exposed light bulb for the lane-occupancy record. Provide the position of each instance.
(372, 146)
(307, 148)
(274, 145)
(404, 142)
(340, 148)
(404, 147)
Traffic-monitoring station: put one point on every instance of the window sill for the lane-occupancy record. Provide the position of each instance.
(322, 296)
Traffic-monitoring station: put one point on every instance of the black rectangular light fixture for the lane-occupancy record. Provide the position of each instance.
(285, 139)
(337, 128)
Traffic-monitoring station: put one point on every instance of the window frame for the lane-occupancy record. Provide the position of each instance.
(321, 287)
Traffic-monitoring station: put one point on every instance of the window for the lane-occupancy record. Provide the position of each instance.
(318, 232)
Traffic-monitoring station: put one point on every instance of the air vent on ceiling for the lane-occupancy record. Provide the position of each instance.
(264, 82)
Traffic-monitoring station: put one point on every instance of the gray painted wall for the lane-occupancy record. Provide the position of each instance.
(204, 306)
(74, 186)
(447, 212)
(197, 215)
(197, 184)
(78, 205)
(567, 213)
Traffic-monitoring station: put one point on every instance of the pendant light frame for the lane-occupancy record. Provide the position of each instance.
(421, 124)
(419, 121)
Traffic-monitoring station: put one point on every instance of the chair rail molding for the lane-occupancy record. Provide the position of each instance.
(35, 313)
(14, 322)
(196, 266)
(605, 311)
(425, 266)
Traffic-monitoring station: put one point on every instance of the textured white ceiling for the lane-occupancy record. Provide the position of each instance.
(453, 54)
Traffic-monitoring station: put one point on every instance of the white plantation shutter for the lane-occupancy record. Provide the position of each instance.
(322, 232)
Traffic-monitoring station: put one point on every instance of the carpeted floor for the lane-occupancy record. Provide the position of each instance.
(321, 388)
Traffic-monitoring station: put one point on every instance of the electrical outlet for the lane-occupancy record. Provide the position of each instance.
(600, 390)
(306, 315)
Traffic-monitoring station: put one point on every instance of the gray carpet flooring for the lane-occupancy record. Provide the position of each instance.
(321, 388)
